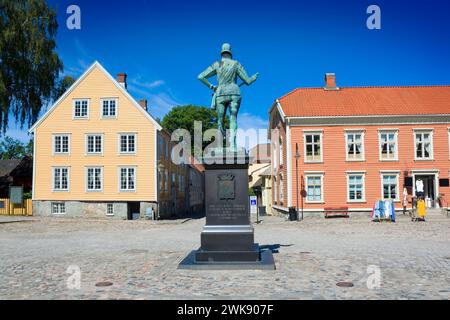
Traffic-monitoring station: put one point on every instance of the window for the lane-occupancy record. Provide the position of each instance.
(94, 144)
(94, 179)
(166, 180)
(109, 108)
(275, 189)
(388, 146)
(281, 152)
(127, 179)
(274, 156)
(423, 141)
(355, 146)
(313, 147)
(61, 179)
(314, 188)
(390, 186)
(58, 208)
(81, 109)
(109, 209)
(61, 144)
(355, 184)
(281, 188)
(127, 143)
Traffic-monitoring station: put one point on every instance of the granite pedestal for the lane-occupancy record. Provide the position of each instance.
(227, 239)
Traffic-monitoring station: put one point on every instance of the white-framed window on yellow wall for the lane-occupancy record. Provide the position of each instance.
(94, 144)
(127, 178)
(61, 144)
(108, 108)
(81, 108)
(127, 143)
(94, 179)
(60, 178)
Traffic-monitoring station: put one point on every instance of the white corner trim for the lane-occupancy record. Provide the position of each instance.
(34, 168)
(280, 110)
(76, 83)
(289, 165)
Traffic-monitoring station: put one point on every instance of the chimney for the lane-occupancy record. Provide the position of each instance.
(143, 103)
(122, 79)
(330, 81)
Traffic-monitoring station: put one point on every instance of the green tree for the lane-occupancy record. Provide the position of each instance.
(11, 148)
(29, 64)
(183, 117)
(62, 86)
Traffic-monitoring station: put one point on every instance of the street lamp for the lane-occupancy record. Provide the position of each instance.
(297, 156)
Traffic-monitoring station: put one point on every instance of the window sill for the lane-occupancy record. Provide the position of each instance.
(127, 191)
(310, 162)
(80, 118)
(423, 160)
(60, 191)
(356, 201)
(389, 160)
(314, 202)
(94, 154)
(359, 160)
(127, 154)
(61, 154)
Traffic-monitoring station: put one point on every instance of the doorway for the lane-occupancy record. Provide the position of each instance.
(134, 210)
(429, 188)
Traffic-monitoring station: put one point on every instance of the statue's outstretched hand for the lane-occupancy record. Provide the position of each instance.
(255, 76)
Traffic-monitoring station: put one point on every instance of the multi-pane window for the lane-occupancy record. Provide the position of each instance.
(58, 208)
(61, 144)
(94, 144)
(166, 180)
(390, 186)
(313, 147)
(127, 143)
(314, 188)
(423, 145)
(61, 179)
(275, 188)
(281, 188)
(110, 209)
(109, 108)
(94, 179)
(127, 179)
(81, 108)
(356, 187)
(388, 145)
(281, 152)
(355, 146)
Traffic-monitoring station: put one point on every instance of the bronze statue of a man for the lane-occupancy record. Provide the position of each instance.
(227, 94)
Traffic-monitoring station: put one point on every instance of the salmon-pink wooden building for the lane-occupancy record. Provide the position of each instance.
(358, 145)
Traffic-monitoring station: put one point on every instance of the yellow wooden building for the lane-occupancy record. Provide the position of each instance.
(95, 152)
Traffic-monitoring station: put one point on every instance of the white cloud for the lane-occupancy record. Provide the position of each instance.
(147, 85)
(252, 130)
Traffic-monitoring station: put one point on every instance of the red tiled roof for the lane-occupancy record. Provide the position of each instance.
(366, 101)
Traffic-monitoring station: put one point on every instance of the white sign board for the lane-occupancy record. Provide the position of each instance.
(253, 205)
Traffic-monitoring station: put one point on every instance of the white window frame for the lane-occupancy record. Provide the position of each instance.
(74, 116)
(120, 178)
(108, 206)
(422, 132)
(388, 131)
(95, 153)
(59, 205)
(54, 189)
(87, 179)
(390, 173)
(356, 174)
(275, 186)
(281, 188)
(281, 152)
(61, 135)
(363, 149)
(313, 133)
(102, 115)
(127, 134)
(315, 175)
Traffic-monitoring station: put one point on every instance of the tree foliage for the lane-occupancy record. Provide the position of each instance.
(29, 65)
(11, 148)
(63, 85)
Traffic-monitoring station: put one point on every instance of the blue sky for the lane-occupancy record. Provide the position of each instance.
(164, 45)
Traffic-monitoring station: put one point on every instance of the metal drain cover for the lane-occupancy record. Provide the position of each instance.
(104, 284)
(345, 284)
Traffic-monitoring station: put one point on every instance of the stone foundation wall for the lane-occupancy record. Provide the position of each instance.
(81, 209)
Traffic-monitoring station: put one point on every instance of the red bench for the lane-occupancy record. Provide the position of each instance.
(336, 212)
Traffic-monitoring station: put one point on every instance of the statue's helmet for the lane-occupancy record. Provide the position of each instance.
(226, 48)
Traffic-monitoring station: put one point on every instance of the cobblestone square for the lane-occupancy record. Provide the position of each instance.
(140, 259)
